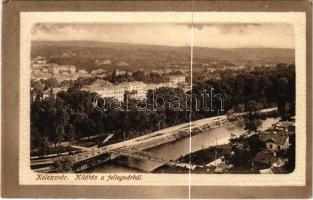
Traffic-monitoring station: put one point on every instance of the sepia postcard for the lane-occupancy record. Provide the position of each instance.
(158, 103)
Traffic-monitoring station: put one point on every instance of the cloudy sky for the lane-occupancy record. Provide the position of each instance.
(205, 35)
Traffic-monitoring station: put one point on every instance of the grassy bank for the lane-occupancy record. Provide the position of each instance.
(205, 156)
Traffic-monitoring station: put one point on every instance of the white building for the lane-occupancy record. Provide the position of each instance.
(177, 78)
(58, 69)
(83, 73)
(114, 92)
(101, 83)
(137, 89)
(97, 71)
(122, 64)
(39, 62)
(154, 86)
(103, 62)
(120, 72)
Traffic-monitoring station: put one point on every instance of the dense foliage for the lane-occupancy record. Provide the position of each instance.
(71, 114)
(268, 87)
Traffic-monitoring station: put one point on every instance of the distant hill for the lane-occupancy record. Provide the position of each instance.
(253, 54)
(99, 48)
(144, 56)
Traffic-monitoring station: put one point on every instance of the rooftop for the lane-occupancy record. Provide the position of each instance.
(101, 83)
(277, 138)
(176, 73)
(265, 157)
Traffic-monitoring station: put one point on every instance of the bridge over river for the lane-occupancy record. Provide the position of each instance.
(135, 148)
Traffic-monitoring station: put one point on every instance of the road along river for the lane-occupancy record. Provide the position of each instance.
(181, 147)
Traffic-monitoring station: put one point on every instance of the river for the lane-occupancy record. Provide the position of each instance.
(179, 148)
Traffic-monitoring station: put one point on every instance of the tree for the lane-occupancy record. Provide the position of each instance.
(282, 96)
(70, 135)
(60, 121)
(244, 150)
(230, 115)
(253, 107)
(34, 139)
(51, 83)
(255, 144)
(43, 147)
(64, 164)
(36, 91)
(71, 114)
(156, 120)
(113, 76)
(252, 125)
(170, 104)
(252, 120)
(139, 76)
(240, 108)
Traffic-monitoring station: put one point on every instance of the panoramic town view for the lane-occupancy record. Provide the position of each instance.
(130, 98)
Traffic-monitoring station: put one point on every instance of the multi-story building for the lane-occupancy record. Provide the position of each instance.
(58, 69)
(115, 92)
(152, 86)
(177, 78)
(136, 89)
(39, 62)
(53, 68)
(71, 69)
(155, 86)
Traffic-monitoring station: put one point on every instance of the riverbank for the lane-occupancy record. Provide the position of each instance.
(245, 153)
(206, 161)
(205, 156)
(203, 133)
(179, 148)
(199, 158)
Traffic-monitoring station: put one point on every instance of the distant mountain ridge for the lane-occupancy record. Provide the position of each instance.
(157, 53)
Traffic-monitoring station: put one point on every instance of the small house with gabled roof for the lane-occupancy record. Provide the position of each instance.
(275, 141)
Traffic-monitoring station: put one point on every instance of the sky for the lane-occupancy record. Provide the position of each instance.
(204, 35)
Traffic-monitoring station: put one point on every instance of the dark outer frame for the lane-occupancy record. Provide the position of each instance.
(10, 102)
